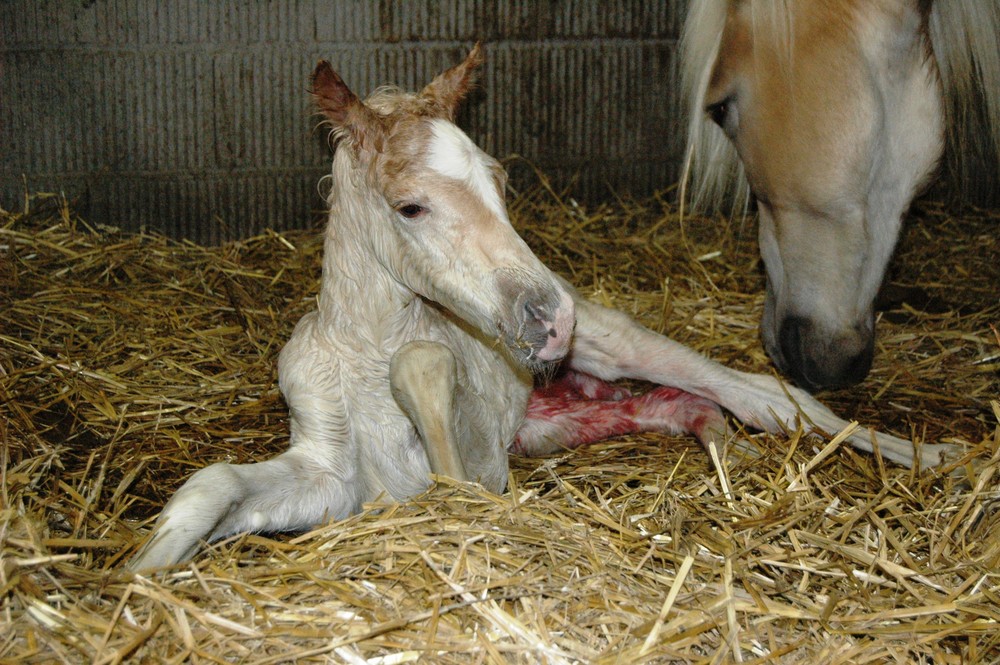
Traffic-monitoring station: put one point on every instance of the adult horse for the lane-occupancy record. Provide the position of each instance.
(833, 115)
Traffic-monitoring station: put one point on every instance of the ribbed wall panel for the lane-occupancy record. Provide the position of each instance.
(191, 117)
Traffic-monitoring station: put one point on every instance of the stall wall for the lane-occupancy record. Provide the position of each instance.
(191, 118)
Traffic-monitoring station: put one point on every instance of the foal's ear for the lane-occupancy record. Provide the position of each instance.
(341, 107)
(451, 86)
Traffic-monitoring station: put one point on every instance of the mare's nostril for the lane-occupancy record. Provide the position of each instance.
(818, 361)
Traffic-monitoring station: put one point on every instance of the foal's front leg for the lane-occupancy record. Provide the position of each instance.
(316, 479)
(288, 492)
(422, 376)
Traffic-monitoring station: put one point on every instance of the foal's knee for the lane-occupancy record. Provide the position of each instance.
(423, 379)
(420, 366)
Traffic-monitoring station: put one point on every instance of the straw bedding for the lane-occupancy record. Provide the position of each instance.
(129, 361)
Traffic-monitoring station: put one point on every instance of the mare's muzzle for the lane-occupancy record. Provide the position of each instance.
(816, 359)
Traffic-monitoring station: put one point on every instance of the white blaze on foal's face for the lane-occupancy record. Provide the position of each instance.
(463, 252)
(453, 154)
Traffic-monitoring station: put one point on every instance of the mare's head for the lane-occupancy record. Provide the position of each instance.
(428, 207)
(835, 112)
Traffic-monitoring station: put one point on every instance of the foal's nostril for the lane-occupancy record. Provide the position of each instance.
(533, 311)
(538, 327)
(540, 314)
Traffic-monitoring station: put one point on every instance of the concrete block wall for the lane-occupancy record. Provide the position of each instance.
(191, 118)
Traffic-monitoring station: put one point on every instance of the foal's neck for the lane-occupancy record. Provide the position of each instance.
(358, 295)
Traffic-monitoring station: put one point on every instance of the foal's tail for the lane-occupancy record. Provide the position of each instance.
(964, 39)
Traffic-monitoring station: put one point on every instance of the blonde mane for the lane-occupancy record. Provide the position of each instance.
(712, 171)
(964, 39)
(712, 168)
(963, 36)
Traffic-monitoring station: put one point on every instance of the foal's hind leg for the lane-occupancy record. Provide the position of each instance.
(610, 345)
(562, 415)
(423, 379)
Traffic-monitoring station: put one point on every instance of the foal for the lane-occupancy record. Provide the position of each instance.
(433, 318)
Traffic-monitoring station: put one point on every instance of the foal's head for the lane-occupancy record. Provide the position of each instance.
(834, 109)
(430, 207)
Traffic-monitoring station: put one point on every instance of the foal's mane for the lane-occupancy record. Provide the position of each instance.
(963, 36)
(389, 100)
(392, 104)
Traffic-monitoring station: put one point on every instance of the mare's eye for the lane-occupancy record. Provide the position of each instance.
(411, 210)
(718, 112)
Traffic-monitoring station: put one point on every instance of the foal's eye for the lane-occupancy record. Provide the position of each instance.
(411, 210)
(718, 112)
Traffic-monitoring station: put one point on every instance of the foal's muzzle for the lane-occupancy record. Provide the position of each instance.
(541, 326)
